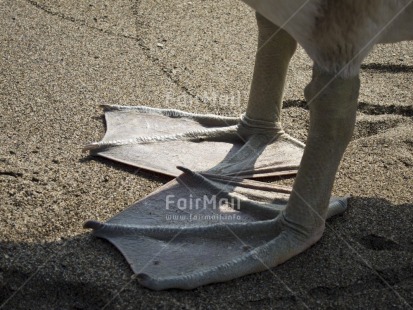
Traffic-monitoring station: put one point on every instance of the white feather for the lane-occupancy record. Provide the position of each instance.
(338, 34)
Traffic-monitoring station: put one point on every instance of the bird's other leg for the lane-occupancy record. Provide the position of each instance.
(333, 104)
(261, 124)
(257, 135)
(274, 52)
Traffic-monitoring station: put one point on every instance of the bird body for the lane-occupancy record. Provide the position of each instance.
(338, 34)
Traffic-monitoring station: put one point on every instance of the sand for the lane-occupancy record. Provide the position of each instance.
(60, 59)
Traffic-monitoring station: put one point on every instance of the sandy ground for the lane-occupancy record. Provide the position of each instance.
(61, 58)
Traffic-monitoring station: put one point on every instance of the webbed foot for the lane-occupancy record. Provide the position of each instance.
(240, 229)
(221, 145)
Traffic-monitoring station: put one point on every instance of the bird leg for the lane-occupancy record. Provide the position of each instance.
(258, 130)
(333, 104)
(261, 124)
(275, 49)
